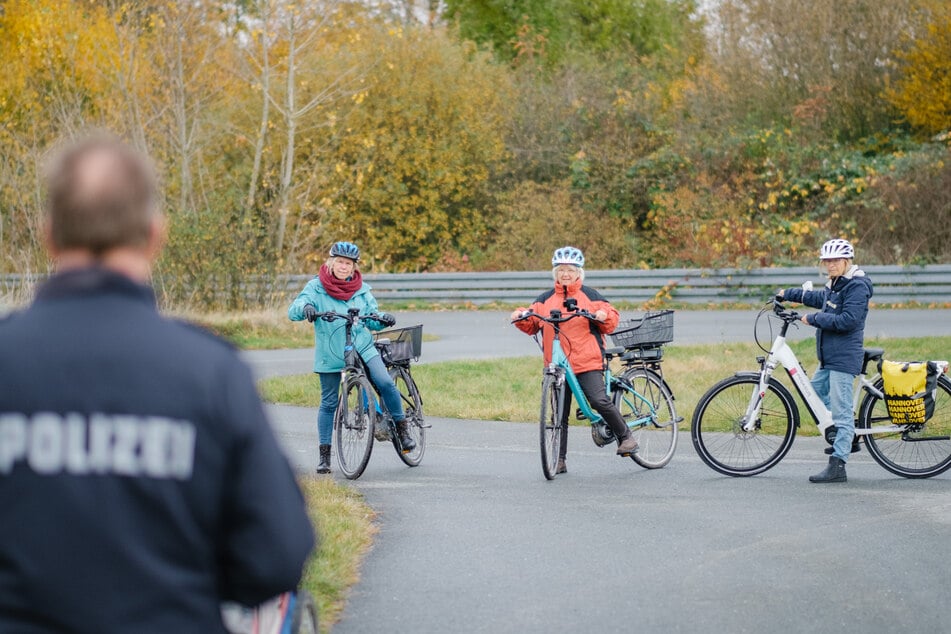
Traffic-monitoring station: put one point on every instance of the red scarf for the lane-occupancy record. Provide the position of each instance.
(340, 289)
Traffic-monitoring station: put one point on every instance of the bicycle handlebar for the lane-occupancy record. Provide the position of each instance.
(779, 308)
(351, 316)
(555, 317)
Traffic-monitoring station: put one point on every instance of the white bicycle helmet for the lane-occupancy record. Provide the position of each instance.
(568, 255)
(836, 249)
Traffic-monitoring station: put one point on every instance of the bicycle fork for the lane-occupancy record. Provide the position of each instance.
(751, 417)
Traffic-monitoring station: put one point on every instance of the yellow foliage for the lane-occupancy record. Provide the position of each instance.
(923, 92)
(419, 152)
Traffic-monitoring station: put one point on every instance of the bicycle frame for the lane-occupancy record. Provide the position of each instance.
(781, 354)
(560, 366)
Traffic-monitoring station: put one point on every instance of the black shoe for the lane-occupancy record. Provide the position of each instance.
(406, 441)
(834, 472)
(323, 466)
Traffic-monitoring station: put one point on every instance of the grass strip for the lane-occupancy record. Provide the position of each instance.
(345, 528)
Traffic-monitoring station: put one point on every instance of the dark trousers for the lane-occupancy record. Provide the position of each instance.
(592, 384)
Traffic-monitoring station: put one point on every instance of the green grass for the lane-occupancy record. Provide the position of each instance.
(345, 531)
(508, 389)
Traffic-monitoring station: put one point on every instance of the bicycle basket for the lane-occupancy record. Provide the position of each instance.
(404, 343)
(650, 331)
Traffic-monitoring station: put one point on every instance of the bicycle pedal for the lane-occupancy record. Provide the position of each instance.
(579, 415)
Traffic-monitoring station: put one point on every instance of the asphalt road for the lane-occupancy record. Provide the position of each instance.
(475, 540)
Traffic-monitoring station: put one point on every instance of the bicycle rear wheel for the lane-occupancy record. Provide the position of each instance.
(918, 451)
(353, 425)
(717, 426)
(641, 395)
(550, 424)
(413, 409)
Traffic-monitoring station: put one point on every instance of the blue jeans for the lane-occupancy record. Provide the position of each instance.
(330, 396)
(835, 390)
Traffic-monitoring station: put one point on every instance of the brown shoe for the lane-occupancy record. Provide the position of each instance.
(627, 446)
(560, 467)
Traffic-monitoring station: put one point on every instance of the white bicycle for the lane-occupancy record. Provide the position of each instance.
(746, 424)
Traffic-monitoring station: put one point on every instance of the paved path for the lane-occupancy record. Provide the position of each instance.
(475, 540)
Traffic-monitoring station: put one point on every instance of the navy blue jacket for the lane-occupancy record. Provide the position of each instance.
(840, 325)
(140, 482)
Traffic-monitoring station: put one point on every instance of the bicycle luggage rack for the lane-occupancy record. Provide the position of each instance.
(650, 331)
(400, 344)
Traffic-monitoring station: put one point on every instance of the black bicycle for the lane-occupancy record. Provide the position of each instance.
(361, 414)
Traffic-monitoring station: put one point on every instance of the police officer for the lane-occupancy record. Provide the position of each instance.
(140, 483)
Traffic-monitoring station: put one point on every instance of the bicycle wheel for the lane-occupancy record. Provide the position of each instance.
(413, 408)
(353, 425)
(648, 408)
(550, 425)
(717, 426)
(918, 451)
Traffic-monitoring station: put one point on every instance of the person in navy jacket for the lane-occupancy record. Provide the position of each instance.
(140, 483)
(840, 332)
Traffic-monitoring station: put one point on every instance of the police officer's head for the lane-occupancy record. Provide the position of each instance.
(101, 196)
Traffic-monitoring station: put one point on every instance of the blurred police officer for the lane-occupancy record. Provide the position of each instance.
(140, 482)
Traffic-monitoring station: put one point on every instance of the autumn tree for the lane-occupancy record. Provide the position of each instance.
(829, 60)
(51, 87)
(643, 27)
(922, 91)
(413, 158)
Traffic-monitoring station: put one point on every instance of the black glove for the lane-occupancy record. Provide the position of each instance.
(310, 313)
(387, 320)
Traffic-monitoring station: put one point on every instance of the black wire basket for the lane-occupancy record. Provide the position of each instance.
(404, 343)
(650, 331)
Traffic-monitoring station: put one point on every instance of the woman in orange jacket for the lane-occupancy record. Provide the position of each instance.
(582, 340)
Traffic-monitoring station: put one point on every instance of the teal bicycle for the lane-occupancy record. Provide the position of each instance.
(647, 409)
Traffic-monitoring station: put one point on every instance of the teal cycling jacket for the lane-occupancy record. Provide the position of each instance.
(329, 337)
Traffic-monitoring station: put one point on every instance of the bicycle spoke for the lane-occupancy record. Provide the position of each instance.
(641, 395)
(918, 451)
(717, 430)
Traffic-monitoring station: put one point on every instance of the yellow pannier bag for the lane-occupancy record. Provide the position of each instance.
(909, 388)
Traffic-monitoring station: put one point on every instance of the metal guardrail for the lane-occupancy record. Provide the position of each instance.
(893, 284)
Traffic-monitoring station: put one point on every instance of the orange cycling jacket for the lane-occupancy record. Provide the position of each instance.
(582, 340)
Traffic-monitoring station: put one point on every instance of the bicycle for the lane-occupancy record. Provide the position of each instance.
(746, 423)
(648, 412)
(361, 415)
(288, 613)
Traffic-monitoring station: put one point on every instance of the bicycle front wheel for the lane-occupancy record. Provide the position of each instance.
(917, 451)
(647, 406)
(413, 409)
(717, 427)
(353, 425)
(550, 423)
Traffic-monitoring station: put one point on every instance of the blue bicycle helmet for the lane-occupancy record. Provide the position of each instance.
(568, 255)
(345, 250)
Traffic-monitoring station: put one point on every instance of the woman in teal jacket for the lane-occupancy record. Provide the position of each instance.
(339, 287)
